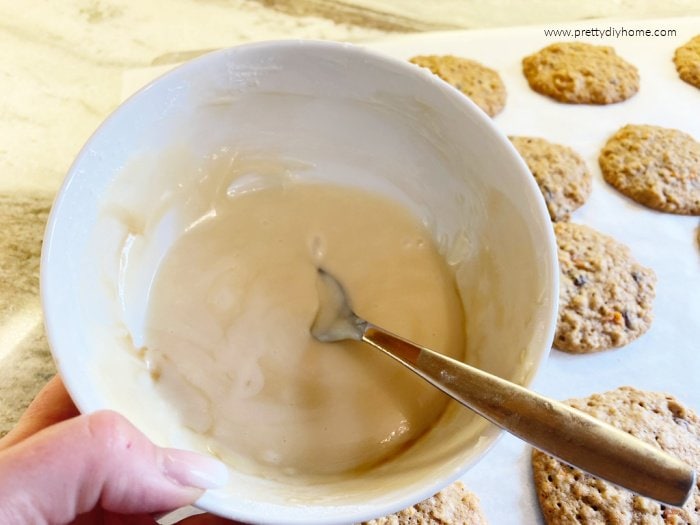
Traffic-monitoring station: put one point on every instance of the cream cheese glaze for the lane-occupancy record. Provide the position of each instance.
(183, 390)
(227, 333)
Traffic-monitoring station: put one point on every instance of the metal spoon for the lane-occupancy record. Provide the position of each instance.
(569, 434)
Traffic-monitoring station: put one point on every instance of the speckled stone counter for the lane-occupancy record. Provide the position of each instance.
(61, 72)
(24, 355)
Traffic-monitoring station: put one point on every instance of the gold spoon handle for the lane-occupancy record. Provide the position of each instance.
(553, 427)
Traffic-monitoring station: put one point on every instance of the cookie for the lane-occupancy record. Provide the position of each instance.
(657, 167)
(454, 504)
(480, 83)
(560, 172)
(570, 496)
(687, 60)
(605, 296)
(578, 73)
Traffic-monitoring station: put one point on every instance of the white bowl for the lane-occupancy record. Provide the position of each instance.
(352, 117)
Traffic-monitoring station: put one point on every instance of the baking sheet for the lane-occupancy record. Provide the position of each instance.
(667, 357)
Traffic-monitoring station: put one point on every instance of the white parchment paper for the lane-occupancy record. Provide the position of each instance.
(667, 357)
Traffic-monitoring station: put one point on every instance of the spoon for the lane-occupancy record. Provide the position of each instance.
(551, 426)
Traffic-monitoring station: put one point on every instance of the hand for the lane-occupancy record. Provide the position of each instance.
(59, 467)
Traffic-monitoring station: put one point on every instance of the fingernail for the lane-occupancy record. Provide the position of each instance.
(194, 470)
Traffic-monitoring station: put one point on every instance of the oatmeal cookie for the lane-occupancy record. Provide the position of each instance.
(454, 504)
(579, 73)
(480, 83)
(605, 296)
(657, 167)
(570, 496)
(560, 172)
(687, 61)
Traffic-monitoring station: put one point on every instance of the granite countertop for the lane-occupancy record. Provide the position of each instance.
(61, 76)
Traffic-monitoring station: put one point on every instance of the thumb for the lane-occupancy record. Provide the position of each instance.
(99, 459)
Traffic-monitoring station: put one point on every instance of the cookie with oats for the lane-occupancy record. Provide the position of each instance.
(657, 167)
(570, 496)
(454, 504)
(605, 296)
(560, 172)
(687, 61)
(579, 73)
(481, 84)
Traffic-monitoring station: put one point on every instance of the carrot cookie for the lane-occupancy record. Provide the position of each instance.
(657, 167)
(605, 296)
(687, 60)
(560, 172)
(454, 504)
(570, 496)
(480, 83)
(578, 73)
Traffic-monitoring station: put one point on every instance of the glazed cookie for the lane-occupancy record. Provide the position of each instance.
(578, 73)
(657, 167)
(687, 60)
(454, 504)
(605, 296)
(560, 172)
(569, 496)
(480, 83)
